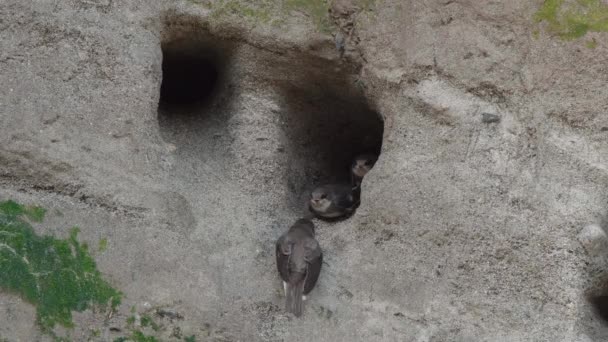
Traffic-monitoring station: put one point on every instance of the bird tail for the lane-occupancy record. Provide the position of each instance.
(293, 301)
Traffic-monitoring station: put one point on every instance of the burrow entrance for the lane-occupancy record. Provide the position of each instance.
(190, 76)
(195, 94)
(600, 306)
(597, 293)
(194, 68)
(594, 319)
(328, 123)
(322, 122)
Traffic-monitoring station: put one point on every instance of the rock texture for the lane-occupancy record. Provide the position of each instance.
(467, 230)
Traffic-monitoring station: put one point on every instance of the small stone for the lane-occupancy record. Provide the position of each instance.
(594, 240)
(604, 129)
(170, 148)
(340, 42)
(489, 118)
(345, 293)
(49, 118)
(167, 313)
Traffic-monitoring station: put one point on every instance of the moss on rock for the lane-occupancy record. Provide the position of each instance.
(57, 276)
(573, 19)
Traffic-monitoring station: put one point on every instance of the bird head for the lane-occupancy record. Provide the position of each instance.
(319, 199)
(363, 164)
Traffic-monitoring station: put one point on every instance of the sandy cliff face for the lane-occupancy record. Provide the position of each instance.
(494, 141)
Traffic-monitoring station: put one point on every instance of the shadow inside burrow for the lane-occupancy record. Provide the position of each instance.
(196, 92)
(594, 317)
(328, 122)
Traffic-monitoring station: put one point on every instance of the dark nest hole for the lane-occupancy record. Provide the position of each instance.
(195, 89)
(194, 70)
(596, 320)
(329, 122)
(598, 294)
(600, 306)
(189, 77)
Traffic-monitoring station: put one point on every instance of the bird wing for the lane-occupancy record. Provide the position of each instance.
(283, 253)
(314, 259)
(345, 199)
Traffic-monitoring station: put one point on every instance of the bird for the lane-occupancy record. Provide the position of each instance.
(299, 260)
(362, 164)
(334, 200)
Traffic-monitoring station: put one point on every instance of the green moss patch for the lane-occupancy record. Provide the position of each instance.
(258, 11)
(57, 276)
(103, 245)
(573, 19)
(146, 320)
(139, 335)
(318, 10)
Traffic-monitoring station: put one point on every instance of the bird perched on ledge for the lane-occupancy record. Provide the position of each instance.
(362, 164)
(334, 200)
(299, 260)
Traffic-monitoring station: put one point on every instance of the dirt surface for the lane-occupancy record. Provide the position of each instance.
(470, 229)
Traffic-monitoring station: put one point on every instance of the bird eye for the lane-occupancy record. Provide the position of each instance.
(368, 163)
(324, 196)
